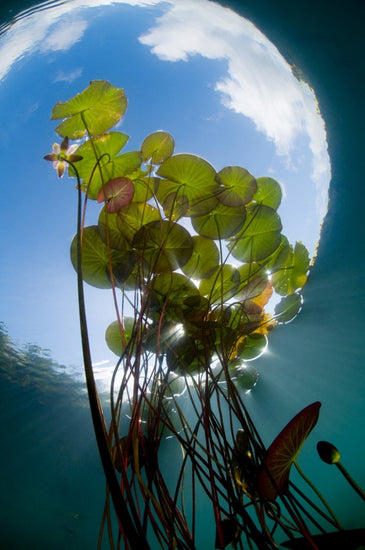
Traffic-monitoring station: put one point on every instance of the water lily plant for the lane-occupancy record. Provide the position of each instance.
(62, 156)
(191, 257)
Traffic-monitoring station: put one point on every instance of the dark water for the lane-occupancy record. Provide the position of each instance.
(51, 484)
(50, 472)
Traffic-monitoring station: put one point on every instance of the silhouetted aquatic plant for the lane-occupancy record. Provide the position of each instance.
(331, 455)
(192, 257)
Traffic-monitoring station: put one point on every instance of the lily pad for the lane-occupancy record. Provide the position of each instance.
(187, 356)
(221, 285)
(288, 308)
(221, 222)
(239, 186)
(172, 293)
(116, 193)
(113, 335)
(157, 147)
(283, 451)
(95, 260)
(189, 176)
(203, 260)
(95, 110)
(259, 236)
(268, 192)
(164, 246)
(290, 270)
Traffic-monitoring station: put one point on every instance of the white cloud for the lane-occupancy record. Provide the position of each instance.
(259, 83)
(69, 77)
(28, 32)
(63, 36)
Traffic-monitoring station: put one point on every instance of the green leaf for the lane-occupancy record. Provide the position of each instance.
(221, 222)
(203, 260)
(253, 281)
(291, 269)
(95, 110)
(275, 260)
(158, 147)
(173, 294)
(268, 192)
(175, 206)
(222, 285)
(164, 246)
(107, 146)
(259, 237)
(106, 165)
(95, 263)
(283, 451)
(143, 186)
(133, 216)
(244, 376)
(120, 166)
(251, 346)
(239, 186)
(187, 356)
(162, 335)
(288, 308)
(113, 336)
(191, 177)
(116, 238)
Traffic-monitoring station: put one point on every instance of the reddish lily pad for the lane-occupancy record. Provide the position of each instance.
(283, 451)
(117, 193)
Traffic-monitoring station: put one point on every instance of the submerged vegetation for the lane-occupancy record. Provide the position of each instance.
(192, 258)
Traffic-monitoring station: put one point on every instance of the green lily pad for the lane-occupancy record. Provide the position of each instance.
(288, 308)
(161, 335)
(189, 176)
(113, 336)
(157, 147)
(259, 236)
(253, 281)
(291, 268)
(172, 293)
(268, 192)
(143, 186)
(221, 222)
(133, 217)
(107, 164)
(239, 186)
(251, 346)
(221, 285)
(203, 260)
(96, 110)
(95, 260)
(113, 235)
(187, 356)
(164, 246)
(244, 376)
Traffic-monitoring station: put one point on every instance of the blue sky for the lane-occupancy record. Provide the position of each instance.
(216, 84)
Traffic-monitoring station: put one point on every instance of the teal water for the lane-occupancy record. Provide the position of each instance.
(51, 481)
